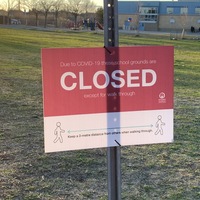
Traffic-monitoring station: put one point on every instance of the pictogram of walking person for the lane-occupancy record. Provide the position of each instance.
(58, 132)
(159, 125)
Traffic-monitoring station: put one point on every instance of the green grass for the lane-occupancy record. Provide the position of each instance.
(165, 171)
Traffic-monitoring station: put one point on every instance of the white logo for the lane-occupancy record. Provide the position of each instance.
(162, 95)
(162, 98)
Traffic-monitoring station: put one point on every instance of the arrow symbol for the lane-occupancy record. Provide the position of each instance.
(112, 128)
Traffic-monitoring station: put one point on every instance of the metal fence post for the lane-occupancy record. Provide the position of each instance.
(111, 39)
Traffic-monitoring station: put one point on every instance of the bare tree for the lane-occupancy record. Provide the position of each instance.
(19, 5)
(9, 5)
(183, 20)
(4, 5)
(75, 8)
(58, 5)
(45, 6)
(78, 7)
(99, 17)
(33, 6)
(88, 6)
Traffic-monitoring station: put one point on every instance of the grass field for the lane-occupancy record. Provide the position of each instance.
(156, 172)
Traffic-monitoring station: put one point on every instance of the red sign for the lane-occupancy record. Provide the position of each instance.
(86, 81)
(80, 81)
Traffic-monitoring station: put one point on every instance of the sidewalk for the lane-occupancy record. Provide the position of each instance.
(162, 33)
(133, 32)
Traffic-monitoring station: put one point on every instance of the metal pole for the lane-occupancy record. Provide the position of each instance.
(111, 39)
(111, 33)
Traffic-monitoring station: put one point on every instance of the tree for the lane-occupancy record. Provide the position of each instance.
(99, 15)
(184, 20)
(33, 6)
(75, 8)
(9, 5)
(57, 6)
(19, 5)
(88, 6)
(45, 6)
(78, 7)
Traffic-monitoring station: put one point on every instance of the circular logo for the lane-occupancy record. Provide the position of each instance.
(162, 95)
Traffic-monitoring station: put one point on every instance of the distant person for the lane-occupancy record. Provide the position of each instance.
(192, 29)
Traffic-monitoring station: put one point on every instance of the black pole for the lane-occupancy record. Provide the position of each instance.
(111, 39)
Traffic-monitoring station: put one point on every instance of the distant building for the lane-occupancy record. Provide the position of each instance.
(159, 15)
(3, 17)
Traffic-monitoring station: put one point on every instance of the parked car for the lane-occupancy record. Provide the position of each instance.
(15, 21)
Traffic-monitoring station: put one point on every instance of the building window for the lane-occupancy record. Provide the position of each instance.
(148, 10)
(172, 21)
(170, 10)
(148, 18)
(148, 14)
(197, 10)
(184, 11)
